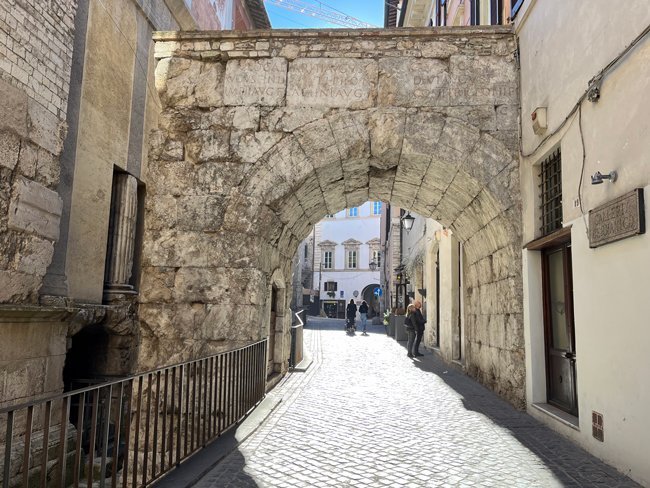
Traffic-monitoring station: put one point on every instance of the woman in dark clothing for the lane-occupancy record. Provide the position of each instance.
(418, 324)
(351, 313)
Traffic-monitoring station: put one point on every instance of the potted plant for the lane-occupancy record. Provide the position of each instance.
(397, 320)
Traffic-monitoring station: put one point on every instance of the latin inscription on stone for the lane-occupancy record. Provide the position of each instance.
(407, 82)
(255, 82)
(332, 83)
(618, 219)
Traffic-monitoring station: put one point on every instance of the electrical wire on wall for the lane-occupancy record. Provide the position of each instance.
(592, 93)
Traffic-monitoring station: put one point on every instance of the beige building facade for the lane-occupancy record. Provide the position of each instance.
(586, 324)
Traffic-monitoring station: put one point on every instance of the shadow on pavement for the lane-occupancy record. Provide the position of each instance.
(196, 471)
(572, 465)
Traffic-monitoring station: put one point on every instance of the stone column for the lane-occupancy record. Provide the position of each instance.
(121, 239)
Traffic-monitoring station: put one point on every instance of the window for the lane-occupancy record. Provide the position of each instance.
(331, 286)
(496, 12)
(475, 12)
(441, 12)
(306, 251)
(516, 5)
(376, 257)
(352, 260)
(329, 216)
(551, 193)
(327, 260)
(376, 208)
(353, 212)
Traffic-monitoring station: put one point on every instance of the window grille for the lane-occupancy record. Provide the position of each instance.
(550, 177)
(376, 208)
(354, 212)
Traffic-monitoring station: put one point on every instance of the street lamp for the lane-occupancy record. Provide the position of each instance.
(407, 221)
(373, 266)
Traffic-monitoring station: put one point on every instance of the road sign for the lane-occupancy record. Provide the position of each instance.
(377, 292)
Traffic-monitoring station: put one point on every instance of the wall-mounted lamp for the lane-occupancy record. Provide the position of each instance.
(372, 266)
(407, 221)
(598, 178)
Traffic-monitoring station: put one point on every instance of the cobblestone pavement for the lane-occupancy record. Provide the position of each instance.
(364, 415)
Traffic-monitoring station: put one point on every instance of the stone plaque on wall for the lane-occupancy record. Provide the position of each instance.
(255, 82)
(348, 83)
(622, 217)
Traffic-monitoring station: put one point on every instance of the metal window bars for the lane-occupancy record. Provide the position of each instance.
(551, 193)
(131, 431)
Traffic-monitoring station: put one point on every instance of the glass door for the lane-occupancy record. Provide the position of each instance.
(559, 330)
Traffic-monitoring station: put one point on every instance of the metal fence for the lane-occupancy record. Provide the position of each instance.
(131, 431)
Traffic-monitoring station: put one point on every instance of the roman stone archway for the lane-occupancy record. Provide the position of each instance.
(262, 134)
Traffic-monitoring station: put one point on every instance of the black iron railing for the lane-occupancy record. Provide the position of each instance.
(131, 431)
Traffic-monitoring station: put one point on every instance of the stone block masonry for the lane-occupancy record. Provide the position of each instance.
(35, 60)
(262, 134)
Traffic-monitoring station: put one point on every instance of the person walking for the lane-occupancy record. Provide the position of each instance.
(418, 324)
(363, 313)
(351, 313)
(410, 329)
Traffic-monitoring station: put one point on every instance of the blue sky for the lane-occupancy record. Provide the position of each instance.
(371, 11)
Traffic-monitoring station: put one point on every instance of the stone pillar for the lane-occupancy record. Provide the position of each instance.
(121, 239)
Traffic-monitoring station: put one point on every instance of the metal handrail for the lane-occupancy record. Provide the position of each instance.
(131, 431)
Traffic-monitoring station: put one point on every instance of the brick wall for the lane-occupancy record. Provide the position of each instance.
(36, 49)
(35, 59)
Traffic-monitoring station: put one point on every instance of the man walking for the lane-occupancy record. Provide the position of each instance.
(363, 312)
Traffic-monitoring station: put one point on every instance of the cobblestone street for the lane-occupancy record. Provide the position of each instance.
(365, 415)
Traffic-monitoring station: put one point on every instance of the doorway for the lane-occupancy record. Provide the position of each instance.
(559, 328)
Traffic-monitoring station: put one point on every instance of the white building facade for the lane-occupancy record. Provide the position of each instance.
(345, 246)
(586, 257)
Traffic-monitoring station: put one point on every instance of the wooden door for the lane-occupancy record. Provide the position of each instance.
(559, 328)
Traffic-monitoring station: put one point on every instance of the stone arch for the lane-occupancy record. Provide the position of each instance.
(238, 176)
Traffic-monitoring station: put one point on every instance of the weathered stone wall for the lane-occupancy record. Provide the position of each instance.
(35, 60)
(263, 135)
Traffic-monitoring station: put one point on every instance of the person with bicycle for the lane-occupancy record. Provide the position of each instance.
(351, 314)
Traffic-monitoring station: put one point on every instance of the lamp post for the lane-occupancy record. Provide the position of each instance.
(407, 221)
